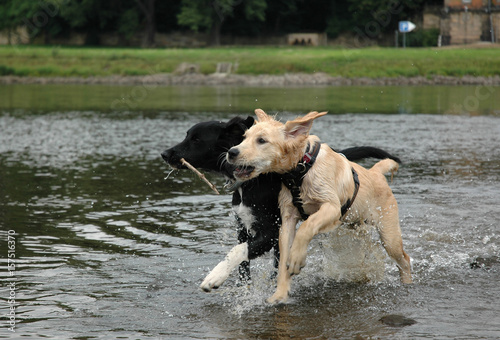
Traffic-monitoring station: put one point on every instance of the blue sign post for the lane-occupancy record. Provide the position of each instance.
(406, 27)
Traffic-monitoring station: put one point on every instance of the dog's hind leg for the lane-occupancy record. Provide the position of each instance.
(390, 235)
(221, 272)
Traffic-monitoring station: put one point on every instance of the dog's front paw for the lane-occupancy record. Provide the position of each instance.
(215, 278)
(296, 259)
(278, 297)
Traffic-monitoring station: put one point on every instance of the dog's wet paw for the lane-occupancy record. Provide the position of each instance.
(296, 261)
(212, 282)
(206, 288)
(216, 277)
(277, 298)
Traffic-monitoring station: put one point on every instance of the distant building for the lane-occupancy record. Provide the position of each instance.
(465, 21)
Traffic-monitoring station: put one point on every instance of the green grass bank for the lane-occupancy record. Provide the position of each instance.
(48, 61)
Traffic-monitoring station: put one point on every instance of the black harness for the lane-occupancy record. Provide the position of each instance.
(293, 181)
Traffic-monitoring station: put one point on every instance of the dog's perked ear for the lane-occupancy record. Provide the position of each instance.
(249, 122)
(262, 116)
(301, 125)
(238, 125)
(233, 131)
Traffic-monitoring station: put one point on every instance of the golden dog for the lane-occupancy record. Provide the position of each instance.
(271, 146)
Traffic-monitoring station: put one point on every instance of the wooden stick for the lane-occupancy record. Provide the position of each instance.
(202, 176)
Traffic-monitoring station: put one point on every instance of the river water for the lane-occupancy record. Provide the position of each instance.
(107, 247)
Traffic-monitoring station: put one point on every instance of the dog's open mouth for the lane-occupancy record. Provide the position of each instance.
(243, 172)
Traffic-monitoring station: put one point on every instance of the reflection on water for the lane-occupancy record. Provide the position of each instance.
(470, 100)
(107, 248)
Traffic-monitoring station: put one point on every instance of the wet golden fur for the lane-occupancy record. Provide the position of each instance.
(271, 146)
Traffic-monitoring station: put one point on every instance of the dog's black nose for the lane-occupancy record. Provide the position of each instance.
(166, 155)
(233, 153)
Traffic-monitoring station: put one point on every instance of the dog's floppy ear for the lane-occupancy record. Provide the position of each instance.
(237, 126)
(249, 122)
(262, 116)
(301, 125)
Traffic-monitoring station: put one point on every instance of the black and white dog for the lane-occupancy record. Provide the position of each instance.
(255, 202)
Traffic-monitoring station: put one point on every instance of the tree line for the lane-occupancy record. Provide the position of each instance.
(252, 18)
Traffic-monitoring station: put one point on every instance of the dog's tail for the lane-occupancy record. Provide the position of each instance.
(359, 152)
(385, 166)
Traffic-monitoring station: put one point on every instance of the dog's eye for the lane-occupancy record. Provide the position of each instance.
(261, 140)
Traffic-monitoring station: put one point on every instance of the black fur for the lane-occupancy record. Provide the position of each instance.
(205, 147)
(360, 152)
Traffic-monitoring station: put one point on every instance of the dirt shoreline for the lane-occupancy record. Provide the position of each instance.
(295, 79)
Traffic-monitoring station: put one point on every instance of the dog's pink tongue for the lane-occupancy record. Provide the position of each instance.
(243, 172)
